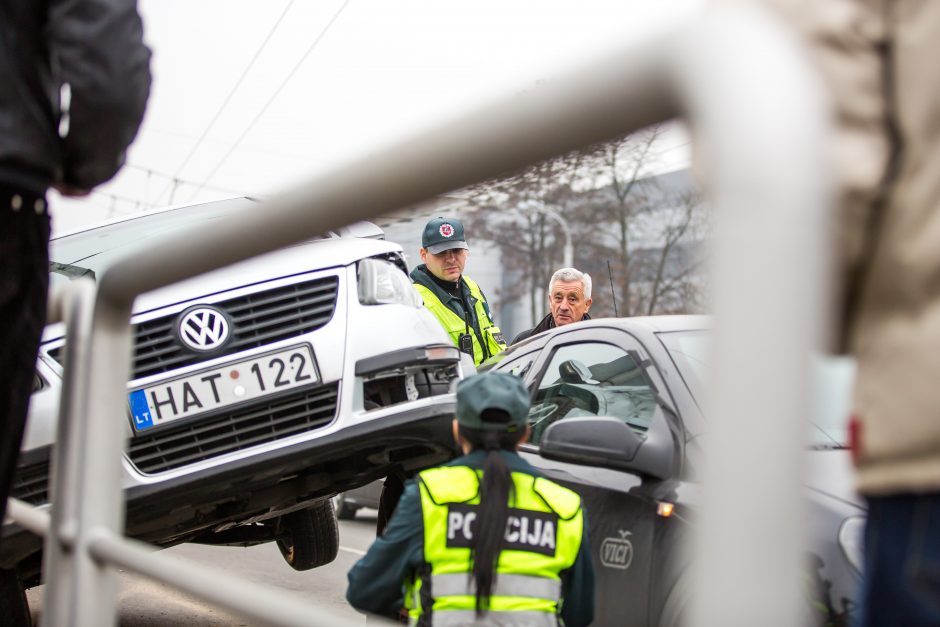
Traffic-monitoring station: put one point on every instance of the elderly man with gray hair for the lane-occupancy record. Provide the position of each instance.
(569, 298)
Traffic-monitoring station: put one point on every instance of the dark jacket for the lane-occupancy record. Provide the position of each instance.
(544, 325)
(88, 55)
(375, 582)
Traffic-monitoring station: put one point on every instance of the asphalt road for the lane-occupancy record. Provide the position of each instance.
(143, 603)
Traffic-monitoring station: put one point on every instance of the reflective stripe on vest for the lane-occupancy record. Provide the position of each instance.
(457, 326)
(543, 537)
(465, 618)
(507, 584)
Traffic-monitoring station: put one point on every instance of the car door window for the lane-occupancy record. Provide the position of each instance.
(516, 365)
(520, 367)
(591, 379)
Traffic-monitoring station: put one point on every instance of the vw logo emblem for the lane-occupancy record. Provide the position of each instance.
(204, 329)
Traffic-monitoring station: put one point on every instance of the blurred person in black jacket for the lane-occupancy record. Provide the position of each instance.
(75, 79)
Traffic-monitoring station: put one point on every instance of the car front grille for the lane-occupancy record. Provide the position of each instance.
(165, 449)
(173, 447)
(258, 319)
(31, 483)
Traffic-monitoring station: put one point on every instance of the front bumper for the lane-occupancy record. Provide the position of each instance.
(268, 484)
(271, 483)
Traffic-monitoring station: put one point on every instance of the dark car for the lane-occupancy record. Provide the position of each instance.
(351, 501)
(623, 397)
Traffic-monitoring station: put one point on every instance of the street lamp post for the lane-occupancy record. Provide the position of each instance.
(568, 250)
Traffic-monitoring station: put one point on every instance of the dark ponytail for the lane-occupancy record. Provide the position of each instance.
(490, 526)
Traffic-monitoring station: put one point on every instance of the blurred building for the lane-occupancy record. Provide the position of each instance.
(510, 303)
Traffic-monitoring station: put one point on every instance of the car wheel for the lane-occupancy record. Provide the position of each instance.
(344, 509)
(14, 609)
(309, 537)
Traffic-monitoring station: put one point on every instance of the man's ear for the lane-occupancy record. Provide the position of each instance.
(587, 305)
(463, 445)
(528, 434)
(423, 252)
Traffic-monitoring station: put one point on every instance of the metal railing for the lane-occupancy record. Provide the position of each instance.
(759, 123)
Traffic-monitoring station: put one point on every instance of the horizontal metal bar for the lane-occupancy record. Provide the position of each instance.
(55, 304)
(262, 603)
(265, 604)
(628, 90)
(759, 135)
(28, 516)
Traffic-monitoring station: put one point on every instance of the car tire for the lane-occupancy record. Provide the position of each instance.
(309, 537)
(14, 609)
(344, 509)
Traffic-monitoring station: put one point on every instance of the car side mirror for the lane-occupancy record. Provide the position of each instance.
(609, 443)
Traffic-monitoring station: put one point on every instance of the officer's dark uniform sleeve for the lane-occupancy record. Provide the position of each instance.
(577, 586)
(98, 50)
(376, 581)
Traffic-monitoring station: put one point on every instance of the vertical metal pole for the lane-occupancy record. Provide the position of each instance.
(763, 132)
(83, 591)
(68, 455)
(568, 251)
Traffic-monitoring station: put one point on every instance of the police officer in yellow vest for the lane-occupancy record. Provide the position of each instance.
(483, 539)
(454, 299)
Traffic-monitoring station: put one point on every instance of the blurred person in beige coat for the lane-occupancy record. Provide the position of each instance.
(881, 60)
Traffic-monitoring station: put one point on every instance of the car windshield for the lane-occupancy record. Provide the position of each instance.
(88, 253)
(832, 379)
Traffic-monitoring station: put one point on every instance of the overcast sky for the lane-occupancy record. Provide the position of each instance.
(250, 97)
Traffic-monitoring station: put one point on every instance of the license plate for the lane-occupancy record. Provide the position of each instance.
(226, 385)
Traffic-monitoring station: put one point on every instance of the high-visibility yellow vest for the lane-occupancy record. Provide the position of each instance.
(457, 326)
(543, 537)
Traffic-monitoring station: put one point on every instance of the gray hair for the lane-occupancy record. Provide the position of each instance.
(571, 274)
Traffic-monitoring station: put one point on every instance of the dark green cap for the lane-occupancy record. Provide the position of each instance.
(495, 391)
(442, 234)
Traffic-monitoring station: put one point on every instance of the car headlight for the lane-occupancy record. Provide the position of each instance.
(852, 541)
(383, 283)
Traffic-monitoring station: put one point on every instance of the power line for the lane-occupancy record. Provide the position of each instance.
(224, 104)
(273, 97)
(144, 205)
(138, 203)
(176, 181)
(266, 150)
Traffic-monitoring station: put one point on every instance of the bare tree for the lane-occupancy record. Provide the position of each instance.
(508, 215)
(670, 282)
(623, 161)
(646, 227)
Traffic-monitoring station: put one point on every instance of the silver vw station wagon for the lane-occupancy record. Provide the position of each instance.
(258, 392)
